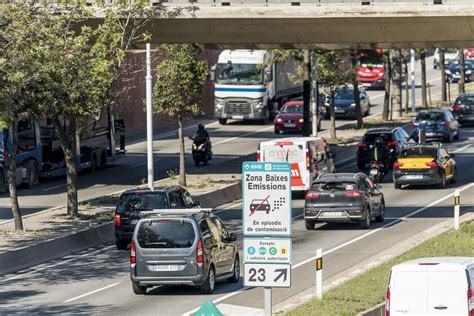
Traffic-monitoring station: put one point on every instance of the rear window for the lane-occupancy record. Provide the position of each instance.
(430, 116)
(467, 100)
(370, 138)
(141, 202)
(418, 152)
(292, 108)
(166, 234)
(331, 186)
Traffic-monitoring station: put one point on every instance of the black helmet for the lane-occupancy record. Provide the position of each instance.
(200, 127)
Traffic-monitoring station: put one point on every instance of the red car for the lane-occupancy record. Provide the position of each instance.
(290, 118)
(371, 75)
(469, 53)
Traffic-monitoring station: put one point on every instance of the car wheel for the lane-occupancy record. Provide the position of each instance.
(236, 276)
(449, 138)
(442, 184)
(365, 223)
(397, 186)
(121, 244)
(94, 163)
(455, 176)
(138, 289)
(381, 217)
(31, 174)
(309, 225)
(223, 121)
(208, 286)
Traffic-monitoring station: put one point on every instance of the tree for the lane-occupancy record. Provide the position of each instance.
(387, 79)
(423, 77)
(462, 70)
(355, 55)
(396, 78)
(178, 89)
(442, 67)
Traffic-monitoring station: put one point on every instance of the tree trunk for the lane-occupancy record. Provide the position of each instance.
(69, 146)
(332, 128)
(12, 175)
(387, 79)
(396, 83)
(306, 93)
(442, 67)
(182, 165)
(407, 89)
(462, 69)
(355, 83)
(423, 78)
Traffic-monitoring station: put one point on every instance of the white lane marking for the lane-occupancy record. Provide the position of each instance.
(247, 134)
(377, 96)
(91, 292)
(176, 131)
(462, 148)
(53, 188)
(228, 207)
(344, 244)
(49, 266)
(144, 163)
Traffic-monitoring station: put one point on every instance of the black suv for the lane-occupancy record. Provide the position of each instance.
(463, 108)
(183, 247)
(393, 141)
(133, 202)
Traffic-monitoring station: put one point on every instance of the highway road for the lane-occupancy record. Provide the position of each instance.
(97, 280)
(234, 140)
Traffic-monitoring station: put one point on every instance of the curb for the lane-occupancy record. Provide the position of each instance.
(378, 310)
(15, 260)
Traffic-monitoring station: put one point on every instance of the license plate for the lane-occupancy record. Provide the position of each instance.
(134, 221)
(414, 176)
(430, 134)
(332, 214)
(339, 111)
(237, 117)
(374, 172)
(289, 125)
(163, 267)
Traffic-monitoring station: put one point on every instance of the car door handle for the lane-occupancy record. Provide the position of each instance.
(441, 307)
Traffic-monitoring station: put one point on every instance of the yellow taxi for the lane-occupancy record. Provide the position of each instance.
(423, 164)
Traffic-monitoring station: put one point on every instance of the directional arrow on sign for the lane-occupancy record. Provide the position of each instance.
(282, 273)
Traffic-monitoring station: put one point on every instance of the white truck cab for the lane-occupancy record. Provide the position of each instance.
(431, 286)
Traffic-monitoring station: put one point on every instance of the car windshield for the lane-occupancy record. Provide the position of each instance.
(467, 100)
(370, 138)
(332, 186)
(344, 94)
(141, 201)
(292, 108)
(430, 116)
(456, 64)
(166, 234)
(239, 74)
(418, 152)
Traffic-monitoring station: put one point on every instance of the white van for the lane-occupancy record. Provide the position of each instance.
(309, 157)
(431, 286)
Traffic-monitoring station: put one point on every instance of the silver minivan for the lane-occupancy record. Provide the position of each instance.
(431, 286)
(190, 248)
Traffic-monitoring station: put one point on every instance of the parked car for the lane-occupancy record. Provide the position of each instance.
(344, 103)
(431, 286)
(439, 125)
(394, 140)
(453, 71)
(449, 54)
(290, 118)
(133, 202)
(183, 248)
(344, 197)
(424, 164)
(309, 158)
(463, 108)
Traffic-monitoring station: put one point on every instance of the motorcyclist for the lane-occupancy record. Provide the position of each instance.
(202, 136)
(379, 153)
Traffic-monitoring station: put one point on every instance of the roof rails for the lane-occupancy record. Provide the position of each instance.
(176, 211)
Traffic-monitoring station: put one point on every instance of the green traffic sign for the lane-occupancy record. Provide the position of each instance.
(208, 309)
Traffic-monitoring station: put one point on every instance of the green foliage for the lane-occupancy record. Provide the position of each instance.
(334, 69)
(180, 79)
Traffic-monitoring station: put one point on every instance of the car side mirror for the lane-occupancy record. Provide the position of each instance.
(213, 72)
(190, 137)
(268, 75)
(196, 203)
(232, 237)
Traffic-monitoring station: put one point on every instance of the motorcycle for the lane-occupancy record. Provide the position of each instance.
(201, 150)
(376, 171)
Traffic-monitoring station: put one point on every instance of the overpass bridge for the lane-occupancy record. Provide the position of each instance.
(314, 23)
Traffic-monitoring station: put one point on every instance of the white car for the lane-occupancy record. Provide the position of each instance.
(449, 54)
(431, 286)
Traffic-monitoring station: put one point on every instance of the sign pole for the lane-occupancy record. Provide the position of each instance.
(412, 75)
(319, 273)
(268, 301)
(457, 202)
(149, 118)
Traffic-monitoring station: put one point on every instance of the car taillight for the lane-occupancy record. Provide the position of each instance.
(133, 254)
(362, 145)
(300, 120)
(354, 194)
(397, 164)
(258, 156)
(392, 144)
(456, 107)
(308, 162)
(470, 301)
(415, 124)
(387, 303)
(199, 252)
(432, 164)
(312, 195)
(118, 220)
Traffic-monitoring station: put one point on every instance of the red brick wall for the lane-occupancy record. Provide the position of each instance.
(131, 90)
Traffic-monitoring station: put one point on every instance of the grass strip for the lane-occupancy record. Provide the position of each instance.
(368, 289)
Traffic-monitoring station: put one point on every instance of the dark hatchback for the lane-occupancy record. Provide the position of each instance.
(344, 197)
(453, 71)
(133, 202)
(344, 103)
(393, 141)
(463, 109)
(439, 125)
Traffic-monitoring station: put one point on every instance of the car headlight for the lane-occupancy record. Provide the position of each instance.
(353, 105)
(448, 72)
(279, 120)
(257, 103)
(468, 72)
(219, 103)
(300, 120)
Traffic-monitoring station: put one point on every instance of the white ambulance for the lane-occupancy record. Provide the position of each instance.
(309, 157)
